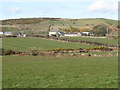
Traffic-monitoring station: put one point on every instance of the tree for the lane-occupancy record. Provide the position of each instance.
(100, 30)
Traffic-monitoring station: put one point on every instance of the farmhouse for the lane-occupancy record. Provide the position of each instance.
(21, 35)
(15, 34)
(56, 33)
(73, 34)
(87, 34)
(70, 34)
(1, 33)
(52, 33)
(8, 33)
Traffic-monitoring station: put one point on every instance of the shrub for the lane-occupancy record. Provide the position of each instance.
(101, 48)
(34, 52)
(100, 30)
(8, 52)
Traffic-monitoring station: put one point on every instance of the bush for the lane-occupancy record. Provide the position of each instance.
(101, 48)
(100, 30)
(34, 52)
(8, 52)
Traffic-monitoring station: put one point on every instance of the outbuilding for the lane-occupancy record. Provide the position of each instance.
(8, 33)
(1, 33)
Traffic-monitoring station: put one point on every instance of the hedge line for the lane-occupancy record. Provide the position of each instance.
(75, 41)
(35, 52)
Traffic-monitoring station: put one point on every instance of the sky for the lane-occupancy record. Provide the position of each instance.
(74, 9)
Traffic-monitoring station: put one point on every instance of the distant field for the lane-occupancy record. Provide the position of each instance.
(59, 72)
(25, 44)
(100, 40)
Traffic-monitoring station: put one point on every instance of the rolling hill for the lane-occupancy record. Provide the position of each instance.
(41, 25)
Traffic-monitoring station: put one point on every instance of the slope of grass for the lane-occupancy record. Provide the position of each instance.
(59, 72)
(111, 22)
(39, 24)
(25, 44)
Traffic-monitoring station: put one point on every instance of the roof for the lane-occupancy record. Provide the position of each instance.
(8, 32)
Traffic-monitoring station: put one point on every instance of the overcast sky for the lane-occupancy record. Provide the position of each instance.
(10, 9)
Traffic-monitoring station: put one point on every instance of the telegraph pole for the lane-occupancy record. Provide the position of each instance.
(107, 32)
(49, 27)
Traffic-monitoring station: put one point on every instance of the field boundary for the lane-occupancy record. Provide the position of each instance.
(62, 52)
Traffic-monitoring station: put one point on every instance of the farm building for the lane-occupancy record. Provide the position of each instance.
(59, 33)
(72, 34)
(15, 34)
(21, 34)
(87, 34)
(56, 33)
(1, 33)
(8, 33)
(52, 33)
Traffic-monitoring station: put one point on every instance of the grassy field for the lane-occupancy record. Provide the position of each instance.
(100, 40)
(25, 44)
(59, 72)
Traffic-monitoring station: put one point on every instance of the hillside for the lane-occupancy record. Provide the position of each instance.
(41, 25)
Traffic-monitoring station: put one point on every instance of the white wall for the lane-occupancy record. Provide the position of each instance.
(1, 33)
(70, 35)
(52, 33)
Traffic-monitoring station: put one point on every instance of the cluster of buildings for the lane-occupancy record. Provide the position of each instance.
(58, 33)
(20, 34)
(51, 33)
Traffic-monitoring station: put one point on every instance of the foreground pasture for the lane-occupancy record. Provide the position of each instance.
(59, 72)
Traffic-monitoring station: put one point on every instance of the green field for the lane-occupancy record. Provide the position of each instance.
(99, 40)
(25, 44)
(59, 72)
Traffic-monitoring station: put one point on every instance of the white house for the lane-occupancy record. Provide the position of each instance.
(8, 33)
(70, 34)
(56, 33)
(24, 35)
(21, 35)
(52, 33)
(87, 33)
(1, 33)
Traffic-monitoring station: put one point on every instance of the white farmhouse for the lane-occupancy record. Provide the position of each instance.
(8, 33)
(21, 35)
(87, 33)
(52, 33)
(70, 34)
(56, 33)
(24, 35)
(1, 33)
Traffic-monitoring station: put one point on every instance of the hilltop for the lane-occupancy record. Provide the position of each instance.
(41, 25)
